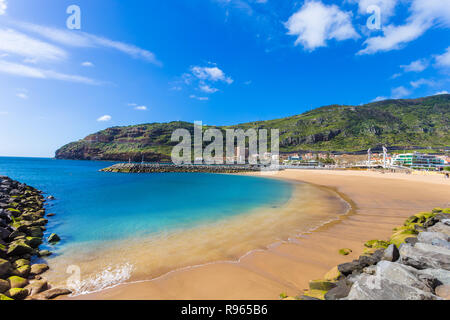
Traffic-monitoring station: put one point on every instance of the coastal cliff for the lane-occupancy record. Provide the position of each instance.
(416, 123)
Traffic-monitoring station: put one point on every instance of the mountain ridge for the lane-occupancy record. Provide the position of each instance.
(422, 122)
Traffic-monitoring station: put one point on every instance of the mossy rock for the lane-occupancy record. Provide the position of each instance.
(400, 238)
(17, 282)
(376, 244)
(321, 284)
(23, 271)
(18, 249)
(437, 210)
(345, 251)
(369, 251)
(44, 253)
(21, 262)
(318, 294)
(53, 238)
(4, 298)
(18, 293)
(33, 242)
(333, 275)
(446, 211)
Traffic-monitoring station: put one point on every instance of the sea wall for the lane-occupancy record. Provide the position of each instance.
(22, 226)
(414, 264)
(160, 168)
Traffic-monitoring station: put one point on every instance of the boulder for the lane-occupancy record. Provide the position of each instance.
(53, 293)
(21, 262)
(333, 274)
(443, 276)
(443, 291)
(44, 253)
(53, 238)
(391, 253)
(349, 267)
(22, 271)
(37, 286)
(18, 293)
(369, 287)
(33, 242)
(341, 290)
(441, 243)
(37, 269)
(324, 285)
(17, 282)
(440, 227)
(4, 233)
(428, 237)
(424, 256)
(4, 286)
(5, 267)
(19, 248)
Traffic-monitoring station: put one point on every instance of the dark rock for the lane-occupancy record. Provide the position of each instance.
(4, 286)
(18, 293)
(340, 291)
(53, 238)
(391, 253)
(37, 286)
(349, 267)
(5, 267)
(4, 233)
(37, 269)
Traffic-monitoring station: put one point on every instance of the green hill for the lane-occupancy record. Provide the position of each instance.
(423, 123)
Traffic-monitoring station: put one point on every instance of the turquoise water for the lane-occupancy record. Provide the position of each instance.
(96, 206)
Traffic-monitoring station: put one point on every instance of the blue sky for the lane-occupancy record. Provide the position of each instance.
(218, 61)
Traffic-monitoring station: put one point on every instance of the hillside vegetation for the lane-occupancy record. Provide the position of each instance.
(423, 122)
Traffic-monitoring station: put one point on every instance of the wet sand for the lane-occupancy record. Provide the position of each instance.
(380, 202)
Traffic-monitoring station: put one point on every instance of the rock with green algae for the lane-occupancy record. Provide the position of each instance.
(333, 274)
(17, 282)
(21, 262)
(316, 294)
(4, 297)
(33, 242)
(377, 244)
(19, 248)
(321, 284)
(22, 271)
(18, 293)
(53, 238)
(44, 253)
(345, 251)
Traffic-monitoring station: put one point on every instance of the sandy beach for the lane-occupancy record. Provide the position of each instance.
(379, 203)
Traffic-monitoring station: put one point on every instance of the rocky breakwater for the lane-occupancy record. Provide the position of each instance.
(22, 226)
(161, 168)
(413, 265)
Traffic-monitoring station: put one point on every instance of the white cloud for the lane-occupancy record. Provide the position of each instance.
(193, 96)
(22, 95)
(87, 64)
(86, 40)
(387, 7)
(424, 14)
(315, 23)
(210, 73)
(422, 82)
(3, 7)
(208, 89)
(415, 66)
(141, 108)
(400, 92)
(20, 44)
(104, 118)
(32, 72)
(443, 60)
(441, 92)
(380, 98)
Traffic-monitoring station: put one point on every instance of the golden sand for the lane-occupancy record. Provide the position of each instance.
(380, 202)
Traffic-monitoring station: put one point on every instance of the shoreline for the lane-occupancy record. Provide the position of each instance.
(233, 238)
(287, 267)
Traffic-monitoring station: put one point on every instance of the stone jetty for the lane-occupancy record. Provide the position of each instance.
(414, 264)
(22, 226)
(161, 168)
